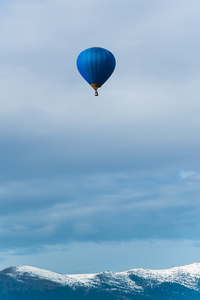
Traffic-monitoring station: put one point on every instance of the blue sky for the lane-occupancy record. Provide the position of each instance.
(90, 184)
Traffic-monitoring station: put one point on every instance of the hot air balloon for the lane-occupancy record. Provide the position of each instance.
(96, 65)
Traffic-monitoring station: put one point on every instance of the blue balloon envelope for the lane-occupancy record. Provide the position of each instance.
(96, 65)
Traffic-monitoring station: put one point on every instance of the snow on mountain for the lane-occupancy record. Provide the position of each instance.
(18, 272)
(117, 280)
(131, 280)
(187, 276)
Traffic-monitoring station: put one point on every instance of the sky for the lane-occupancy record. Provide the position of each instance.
(90, 184)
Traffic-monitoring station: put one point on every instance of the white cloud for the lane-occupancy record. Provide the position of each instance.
(186, 174)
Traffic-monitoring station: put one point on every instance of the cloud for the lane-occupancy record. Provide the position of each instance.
(110, 207)
(186, 174)
(77, 168)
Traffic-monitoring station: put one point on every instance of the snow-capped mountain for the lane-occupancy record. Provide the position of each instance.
(23, 282)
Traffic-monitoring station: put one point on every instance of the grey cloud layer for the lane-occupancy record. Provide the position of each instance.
(100, 208)
(75, 168)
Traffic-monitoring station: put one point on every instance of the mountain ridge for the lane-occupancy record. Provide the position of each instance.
(20, 281)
